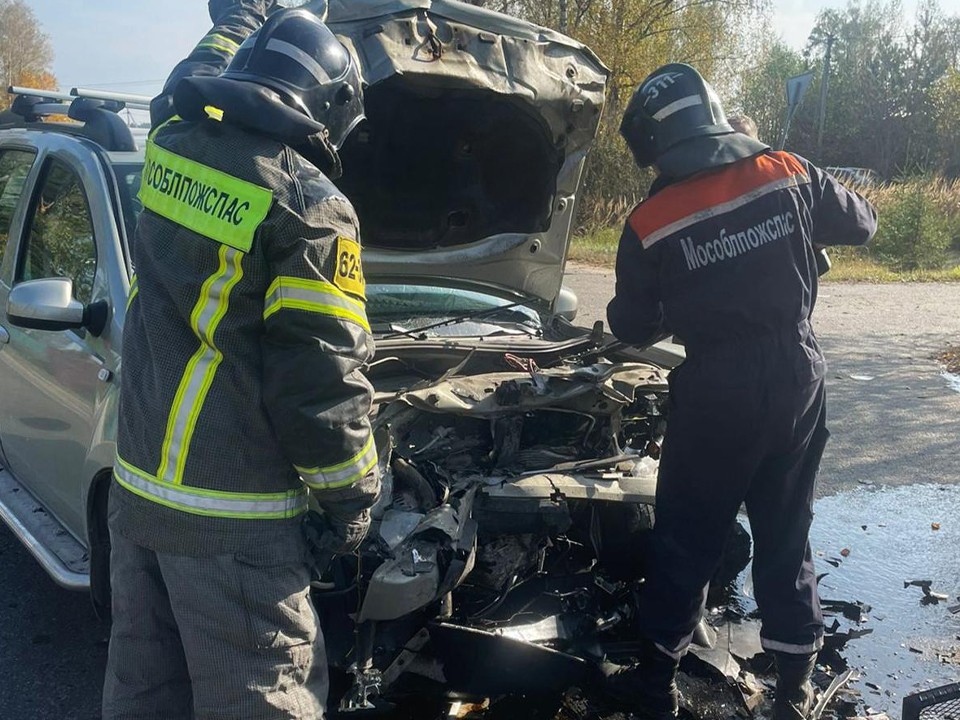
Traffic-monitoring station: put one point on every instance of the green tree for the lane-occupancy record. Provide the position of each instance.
(634, 37)
(881, 110)
(945, 98)
(762, 92)
(25, 52)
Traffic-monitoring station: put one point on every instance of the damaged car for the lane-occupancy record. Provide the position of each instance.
(519, 452)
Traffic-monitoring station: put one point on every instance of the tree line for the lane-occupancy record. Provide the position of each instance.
(893, 101)
(894, 82)
(26, 55)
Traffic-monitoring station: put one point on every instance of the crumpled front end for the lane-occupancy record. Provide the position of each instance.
(514, 506)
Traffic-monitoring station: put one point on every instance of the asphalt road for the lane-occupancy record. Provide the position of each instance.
(898, 427)
(893, 417)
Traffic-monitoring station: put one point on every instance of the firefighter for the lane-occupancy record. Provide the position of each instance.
(721, 254)
(241, 386)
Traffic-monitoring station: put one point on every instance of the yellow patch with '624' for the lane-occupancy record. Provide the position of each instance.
(349, 273)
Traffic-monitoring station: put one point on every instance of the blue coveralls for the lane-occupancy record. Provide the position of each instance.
(725, 261)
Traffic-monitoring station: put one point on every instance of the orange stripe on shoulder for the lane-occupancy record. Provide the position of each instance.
(709, 189)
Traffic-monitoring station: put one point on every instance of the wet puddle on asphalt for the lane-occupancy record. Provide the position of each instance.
(895, 536)
(953, 380)
(888, 559)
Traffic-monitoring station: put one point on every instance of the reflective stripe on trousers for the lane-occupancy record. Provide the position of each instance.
(211, 503)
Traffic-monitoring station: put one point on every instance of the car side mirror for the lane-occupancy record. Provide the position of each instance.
(567, 305)
(46, 304)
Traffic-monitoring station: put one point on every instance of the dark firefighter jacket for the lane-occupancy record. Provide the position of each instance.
(726, 256)
(246, 328)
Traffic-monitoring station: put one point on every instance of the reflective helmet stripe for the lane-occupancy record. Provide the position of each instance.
(299, 56)
(677, 106)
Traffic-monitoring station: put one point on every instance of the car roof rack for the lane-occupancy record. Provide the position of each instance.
(96, 109)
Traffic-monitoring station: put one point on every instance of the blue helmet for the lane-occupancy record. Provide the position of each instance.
(675, 120)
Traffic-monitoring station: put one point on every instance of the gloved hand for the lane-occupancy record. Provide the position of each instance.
(220, 8)
(347, 533)
(334, 533)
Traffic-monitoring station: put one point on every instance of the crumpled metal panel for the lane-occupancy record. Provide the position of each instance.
(595, 389)
(480, 49)
(623, 488)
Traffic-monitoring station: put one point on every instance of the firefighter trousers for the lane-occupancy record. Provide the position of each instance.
(741, 430)
(230, 637)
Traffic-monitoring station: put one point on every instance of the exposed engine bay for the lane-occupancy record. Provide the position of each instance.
(508, 540)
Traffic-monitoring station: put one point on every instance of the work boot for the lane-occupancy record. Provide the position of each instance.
(794, 698)
(648, 689)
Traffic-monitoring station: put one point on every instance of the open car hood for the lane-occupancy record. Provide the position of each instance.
(478, 125)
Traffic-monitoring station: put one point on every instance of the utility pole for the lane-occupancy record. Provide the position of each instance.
(824, 85)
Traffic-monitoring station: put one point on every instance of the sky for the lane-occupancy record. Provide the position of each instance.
(131, 45)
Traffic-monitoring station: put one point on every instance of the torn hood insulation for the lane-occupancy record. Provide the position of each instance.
(467, 168)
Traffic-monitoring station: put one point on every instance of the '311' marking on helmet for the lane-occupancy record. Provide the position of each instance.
(651, 89)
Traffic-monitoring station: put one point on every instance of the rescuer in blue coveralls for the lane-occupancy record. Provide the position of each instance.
(722, 255)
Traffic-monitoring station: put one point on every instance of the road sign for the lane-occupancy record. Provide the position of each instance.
(797, 87)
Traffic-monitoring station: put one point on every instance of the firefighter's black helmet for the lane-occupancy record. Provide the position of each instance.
(297, 56)
(675, 120)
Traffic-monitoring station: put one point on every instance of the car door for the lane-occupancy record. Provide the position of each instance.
(53, 381)
(16, 164)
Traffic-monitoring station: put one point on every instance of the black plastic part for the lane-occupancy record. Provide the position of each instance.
(823, 262)
(35, 324)
(102, 124)
(98, 537)
(27, 107)
(488, 665)
(96, 316)
(942, 703)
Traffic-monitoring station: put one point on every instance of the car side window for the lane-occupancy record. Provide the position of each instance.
(60, 241)
(14, 168)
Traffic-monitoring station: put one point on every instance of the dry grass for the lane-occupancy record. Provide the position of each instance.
(942, 193)
(918, 239)
(599, 249)
(950, 359)
(849, 265)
